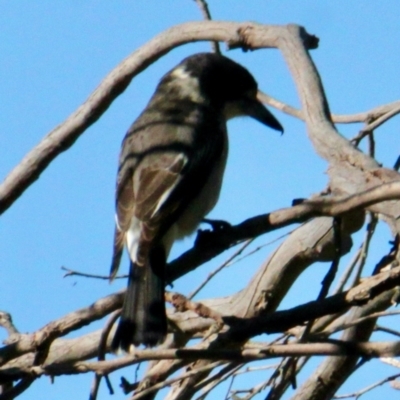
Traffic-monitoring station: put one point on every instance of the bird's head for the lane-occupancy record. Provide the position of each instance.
(223, 83)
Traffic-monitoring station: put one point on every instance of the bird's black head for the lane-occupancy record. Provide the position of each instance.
(213, 78)
(220, 78)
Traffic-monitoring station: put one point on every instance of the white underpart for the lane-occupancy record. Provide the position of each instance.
(166, 194)
(188, 85)
(132, 238)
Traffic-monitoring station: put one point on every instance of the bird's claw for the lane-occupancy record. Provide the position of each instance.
(205, 236)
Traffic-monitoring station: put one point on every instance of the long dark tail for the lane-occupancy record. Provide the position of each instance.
(143, 319)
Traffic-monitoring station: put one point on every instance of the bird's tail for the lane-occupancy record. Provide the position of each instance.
(143, 318)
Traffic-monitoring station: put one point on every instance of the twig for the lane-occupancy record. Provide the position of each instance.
(360, 257)
(71, 272)
(371, 226)
(358, 321)
(19, 388)
(143, 393)
(330, 276)
(253, 391)
(255, 369)
(359, 393)
(101, 356)
(207, 16)
(211, 382)
(226, 263)
(258, 248)
(387, 330)
(371, 144)
(390, 259)
(279, 387)
(377, 122)
(365, 116)
(349, 270)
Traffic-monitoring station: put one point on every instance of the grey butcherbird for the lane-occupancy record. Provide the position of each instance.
(170, 174)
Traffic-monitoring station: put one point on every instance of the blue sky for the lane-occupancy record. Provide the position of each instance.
(54, 54)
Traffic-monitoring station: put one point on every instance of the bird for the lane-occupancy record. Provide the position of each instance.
(170, 174)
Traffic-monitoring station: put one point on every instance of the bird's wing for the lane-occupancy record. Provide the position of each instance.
(143, 197)
(152, 184)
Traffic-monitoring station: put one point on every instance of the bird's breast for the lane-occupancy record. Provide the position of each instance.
(205, 201)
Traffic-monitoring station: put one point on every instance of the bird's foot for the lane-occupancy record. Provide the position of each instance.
(206, 236)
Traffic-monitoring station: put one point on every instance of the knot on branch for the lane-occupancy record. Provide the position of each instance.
(242, 39)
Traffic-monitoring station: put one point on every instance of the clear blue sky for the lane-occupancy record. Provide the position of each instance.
(53, 54)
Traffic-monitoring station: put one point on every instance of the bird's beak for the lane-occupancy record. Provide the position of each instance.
(255, 109)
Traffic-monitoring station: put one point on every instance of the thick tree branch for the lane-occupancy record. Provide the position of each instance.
(261, 224)
(335, 348)
(242, 329)
(43, 337)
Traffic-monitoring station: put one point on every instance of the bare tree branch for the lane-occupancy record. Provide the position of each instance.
(75, 320)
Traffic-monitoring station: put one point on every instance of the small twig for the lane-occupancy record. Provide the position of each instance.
(360, 257)
(387, 330)
(226, 263)
(280, 386)
(232, 261)
(389, 259)
(253, 391)
(101, 356)
(371, 144)
(229, 387)
(207, 16)
(378, 121)
(358, 321)
(256, 369)
(359, 393)
(211, 382)
(143, 393)
(365, 116)
(258, 248)
(19, 388)
(371, 226)
(349, 270)
(71, 272)
(330, 276)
